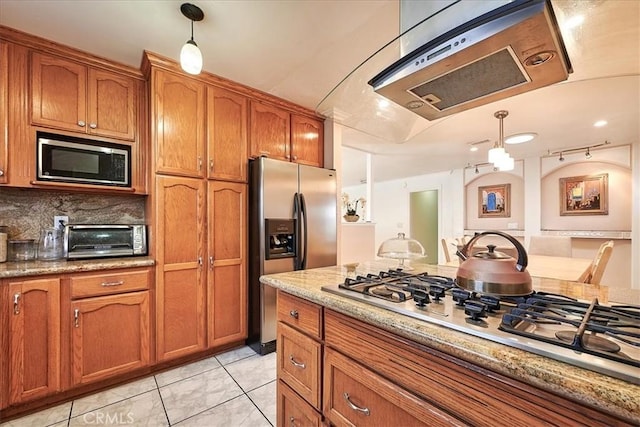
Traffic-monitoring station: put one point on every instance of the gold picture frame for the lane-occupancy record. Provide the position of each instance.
(494, 201)
(584, 195)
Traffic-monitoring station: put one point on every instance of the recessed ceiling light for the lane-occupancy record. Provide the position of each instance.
(519, 138)
(383, 103)
(600, 123)
(473, 148)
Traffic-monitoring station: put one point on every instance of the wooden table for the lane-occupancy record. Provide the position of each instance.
(554, 267)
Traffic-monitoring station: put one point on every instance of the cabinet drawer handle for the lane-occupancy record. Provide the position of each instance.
(294, 314)
(200, 261)
(76, 318)
(211, 263)
(355, 407)
(210, 164)
(93, 125)
(81, 123)
(118, 283)
(16, 305)
(296, 364)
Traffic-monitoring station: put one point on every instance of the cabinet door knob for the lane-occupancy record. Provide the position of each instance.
(294, 314)
(355, 407)
(76, 318)
(200, 261)
(16, 304)
(210, 164)
(1, 172)
(93, 125)
(296, 363)
(211, 263)
(81, 123)
(199, 163)
(295, 157)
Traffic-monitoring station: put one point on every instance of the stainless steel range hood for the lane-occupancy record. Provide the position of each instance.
(510, 50)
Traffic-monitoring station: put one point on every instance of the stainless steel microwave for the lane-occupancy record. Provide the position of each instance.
(70, 159)
(83, 241)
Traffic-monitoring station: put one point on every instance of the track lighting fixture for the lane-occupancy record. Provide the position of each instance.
(561, 158)
(477, 171)
(498, 155)
(190, 55)
(586, 149)
(587, 154)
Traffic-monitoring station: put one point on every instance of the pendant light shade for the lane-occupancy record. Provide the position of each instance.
(190, 55)
(498, 155)
(191, 58)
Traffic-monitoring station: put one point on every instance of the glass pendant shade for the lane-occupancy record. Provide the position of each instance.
(506, 164)
(496, 154)
(191, 58)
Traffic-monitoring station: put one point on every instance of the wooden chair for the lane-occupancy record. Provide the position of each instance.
(450, 246)
(594, 273)
(550, 246)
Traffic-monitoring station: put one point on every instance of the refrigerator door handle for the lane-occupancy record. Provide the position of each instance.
(297, 215)
(303, 204)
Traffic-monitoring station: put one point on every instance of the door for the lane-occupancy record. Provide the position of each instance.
(109, 335)
(270, 133)
(112, 105)
(318, 186)
(227, 135)
(180, 294)
(58, 93)
(34, 339)
(179, 124)
(227, 276)
(423, 208)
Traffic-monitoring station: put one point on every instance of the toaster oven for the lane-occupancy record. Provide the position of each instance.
(83, 241)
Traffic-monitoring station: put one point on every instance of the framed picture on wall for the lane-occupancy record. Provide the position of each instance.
(494, 201)
(584, 195)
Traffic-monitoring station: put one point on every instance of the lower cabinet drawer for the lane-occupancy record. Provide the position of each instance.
(102, 283)
(353, 395)
(293, 411)
(299, 363)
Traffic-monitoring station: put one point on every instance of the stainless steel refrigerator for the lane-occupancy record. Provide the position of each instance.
(292, 226)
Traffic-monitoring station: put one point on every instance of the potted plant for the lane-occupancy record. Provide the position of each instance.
(351, 208)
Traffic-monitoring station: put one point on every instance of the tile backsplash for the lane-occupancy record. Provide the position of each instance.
(27, 211)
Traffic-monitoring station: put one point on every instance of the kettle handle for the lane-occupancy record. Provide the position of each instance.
(522, 261)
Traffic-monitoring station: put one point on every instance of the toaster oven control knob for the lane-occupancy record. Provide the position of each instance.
(421, 298)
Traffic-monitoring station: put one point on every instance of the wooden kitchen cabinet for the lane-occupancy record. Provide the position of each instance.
(227, 135)
(292, 410)
(4, 110)
(34, 338)
(227, 262)
(180, 220)
(270, 131)
(179, 124)
(307, 140)
(109, 335)
(74, 97)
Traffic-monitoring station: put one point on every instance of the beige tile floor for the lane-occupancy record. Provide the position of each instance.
(236, 388)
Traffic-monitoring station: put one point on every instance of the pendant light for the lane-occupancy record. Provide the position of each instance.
(190, 55)
(498, 155)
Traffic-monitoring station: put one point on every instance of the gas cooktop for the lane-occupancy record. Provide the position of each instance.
(601, 338)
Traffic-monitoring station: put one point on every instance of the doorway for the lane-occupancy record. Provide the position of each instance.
(423, 218)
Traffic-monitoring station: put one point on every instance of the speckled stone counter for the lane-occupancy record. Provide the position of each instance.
(609, 394)
(36, 268)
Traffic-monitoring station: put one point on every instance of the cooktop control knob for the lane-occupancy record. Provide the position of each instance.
(475, 309)
(421, 298)
(437, 292)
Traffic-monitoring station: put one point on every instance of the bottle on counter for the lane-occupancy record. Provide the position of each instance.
(3, 242)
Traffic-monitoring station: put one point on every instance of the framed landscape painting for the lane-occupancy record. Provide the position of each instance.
(494, 201)
(584, 195)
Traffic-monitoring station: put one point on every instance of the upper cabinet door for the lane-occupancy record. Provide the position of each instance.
(179, 125)
(58, 93)
(269, 132)
(227, 135)
(307, 140)
(112, 105)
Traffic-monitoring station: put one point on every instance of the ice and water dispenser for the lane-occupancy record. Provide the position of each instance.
(280, 238)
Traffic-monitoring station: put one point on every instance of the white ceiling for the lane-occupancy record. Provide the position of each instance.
(300, 50)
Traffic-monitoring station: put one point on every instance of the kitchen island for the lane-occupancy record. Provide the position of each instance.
(593, 395)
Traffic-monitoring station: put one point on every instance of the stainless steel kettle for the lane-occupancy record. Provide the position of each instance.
(491, 272)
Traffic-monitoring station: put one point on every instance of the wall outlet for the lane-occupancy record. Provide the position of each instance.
(60, 218)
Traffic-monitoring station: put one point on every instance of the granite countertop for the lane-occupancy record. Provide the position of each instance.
(36, 268)
(594, 389)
